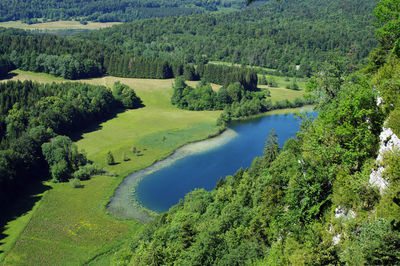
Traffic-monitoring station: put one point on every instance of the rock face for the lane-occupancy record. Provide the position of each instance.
(389, 141)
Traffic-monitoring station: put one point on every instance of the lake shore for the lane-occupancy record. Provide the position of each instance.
(125, 205)
(122, 208)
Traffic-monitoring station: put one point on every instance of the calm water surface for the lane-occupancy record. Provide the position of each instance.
(163, 189)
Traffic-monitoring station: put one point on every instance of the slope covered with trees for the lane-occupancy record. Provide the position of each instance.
(309, 202)
(279, 35)
(106, 10)
(293, 37)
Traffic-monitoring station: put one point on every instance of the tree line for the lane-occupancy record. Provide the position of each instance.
(294, 37)
(236, 100)
(106, 10)
(75, 58)
(5, 66)
(35, 122)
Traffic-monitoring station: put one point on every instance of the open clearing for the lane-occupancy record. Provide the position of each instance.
(277, 93)
(58, 25)
(72, 225)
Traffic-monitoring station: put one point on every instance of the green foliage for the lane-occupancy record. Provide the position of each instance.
(110, 158)
(272, 83)
(278, 35)
(263, 80)
(5, 66)
(376, 244)
(105, 10)
(236, 101)
(75, 183)
(87, 171)
(327, 83)
(389, 205)
(63, 158)
(293, 86)
(225, 75)
(279, 209)
(200, 98)
(271, 149)
(122, 257)
(126, 96)
(126, 158)
(394, 122)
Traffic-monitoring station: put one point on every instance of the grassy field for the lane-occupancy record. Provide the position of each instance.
(281, 81)
(281, 93)
(277, 93)
(58, 25)
(71, 226)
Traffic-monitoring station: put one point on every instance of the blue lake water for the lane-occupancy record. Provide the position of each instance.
(163, 188)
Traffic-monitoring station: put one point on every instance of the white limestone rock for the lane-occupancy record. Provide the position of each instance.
(388, 142)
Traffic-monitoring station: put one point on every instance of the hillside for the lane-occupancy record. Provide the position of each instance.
(279, 35)
(107, 10)
(292, 37)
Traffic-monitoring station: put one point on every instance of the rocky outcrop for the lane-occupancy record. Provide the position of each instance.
(388, 142)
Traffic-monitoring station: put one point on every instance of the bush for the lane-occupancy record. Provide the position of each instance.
(75, 183)
(272, 83)
(60, 171)
(85, 172)
(394, 122)
(110, 158)
(292, 86)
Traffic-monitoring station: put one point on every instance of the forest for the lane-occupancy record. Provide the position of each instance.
(106, 10)
(278, 35)
(257, 36)
(76, 59)
(35, 122)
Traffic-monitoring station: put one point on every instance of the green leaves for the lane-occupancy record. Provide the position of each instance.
(63, 157)
(126, 96)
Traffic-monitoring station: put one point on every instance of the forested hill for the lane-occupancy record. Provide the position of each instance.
(280, 34)
(108, 10)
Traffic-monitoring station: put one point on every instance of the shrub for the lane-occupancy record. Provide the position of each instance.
(110, 158)
(85, 172)
(394, 122)
(75, 183)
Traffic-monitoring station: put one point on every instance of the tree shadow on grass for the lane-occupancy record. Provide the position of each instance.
(25, 202)
(96, 125)
(78, 135)
(8, 76)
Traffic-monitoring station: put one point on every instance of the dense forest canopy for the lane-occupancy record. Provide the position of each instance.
(108, 10)
(293, 37)
(279, 35)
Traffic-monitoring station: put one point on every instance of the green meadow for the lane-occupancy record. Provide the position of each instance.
(71, 225)
(58, 25)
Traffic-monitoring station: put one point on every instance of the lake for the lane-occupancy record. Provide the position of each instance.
(200, 165)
